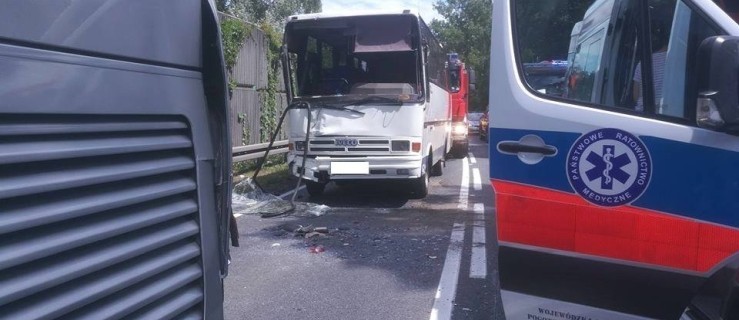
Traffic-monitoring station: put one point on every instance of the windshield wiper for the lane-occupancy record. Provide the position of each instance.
(340, 108)
(329, 106)
(375, 99)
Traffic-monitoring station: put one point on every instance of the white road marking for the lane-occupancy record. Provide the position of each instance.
(472, 158)
(464, 188)
(478, 261)
(476, 180)
(236, 215)
(447, 290)
(289, 193)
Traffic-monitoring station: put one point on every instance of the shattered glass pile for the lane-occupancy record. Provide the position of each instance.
(247, 198)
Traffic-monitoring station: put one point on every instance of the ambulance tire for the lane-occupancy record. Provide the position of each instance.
(315, 189)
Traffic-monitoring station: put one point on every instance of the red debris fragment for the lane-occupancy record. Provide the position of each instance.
(316, 249)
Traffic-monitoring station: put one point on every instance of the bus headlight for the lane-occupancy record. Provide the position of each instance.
(299, 145)
(459, 129)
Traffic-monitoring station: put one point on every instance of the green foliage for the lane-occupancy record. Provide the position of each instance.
(271, 11)
(244, 129)
(466, 30)
(233, 32)
(270, 95)
(250, 165)
(270, 16)
(221, 5)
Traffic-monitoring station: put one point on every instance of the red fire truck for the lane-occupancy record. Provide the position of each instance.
(461, 81)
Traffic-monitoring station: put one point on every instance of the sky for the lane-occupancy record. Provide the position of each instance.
(425, 7)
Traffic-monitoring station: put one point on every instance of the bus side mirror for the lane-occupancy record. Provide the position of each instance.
(285, 61)
(718, 79)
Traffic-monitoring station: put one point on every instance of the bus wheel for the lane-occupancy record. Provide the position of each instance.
(420, 186)
(437, 169)
(315, 189)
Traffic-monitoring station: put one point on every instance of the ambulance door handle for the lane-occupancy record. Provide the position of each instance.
(530, 149)
(516, 147)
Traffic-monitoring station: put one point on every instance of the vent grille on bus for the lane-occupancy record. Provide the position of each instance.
(98, 218)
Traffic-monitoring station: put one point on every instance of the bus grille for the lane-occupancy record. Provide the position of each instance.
(98, 218)
(363, 146)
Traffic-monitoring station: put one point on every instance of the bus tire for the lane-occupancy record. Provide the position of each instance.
(437, 169)
(420, 186)
(315, 189)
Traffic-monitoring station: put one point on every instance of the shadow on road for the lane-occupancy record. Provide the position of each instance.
(369, 194)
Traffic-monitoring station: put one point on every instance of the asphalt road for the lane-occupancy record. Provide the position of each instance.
(385, 256)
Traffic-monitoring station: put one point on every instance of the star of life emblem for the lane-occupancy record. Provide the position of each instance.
(609, 167)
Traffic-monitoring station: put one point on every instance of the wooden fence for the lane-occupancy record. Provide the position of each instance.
(247, 99)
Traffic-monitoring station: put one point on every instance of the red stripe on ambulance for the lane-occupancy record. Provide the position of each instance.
(552, 219)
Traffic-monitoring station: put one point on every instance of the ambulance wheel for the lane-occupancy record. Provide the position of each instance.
(315, 189)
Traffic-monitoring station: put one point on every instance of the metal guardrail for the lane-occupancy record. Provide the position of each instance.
(256, 151)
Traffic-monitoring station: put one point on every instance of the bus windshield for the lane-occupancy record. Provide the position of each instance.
(354, 57)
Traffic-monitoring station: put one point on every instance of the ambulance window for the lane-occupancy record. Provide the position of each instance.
(604, 40)
(595, 40)
(543, 34)
(675, 87)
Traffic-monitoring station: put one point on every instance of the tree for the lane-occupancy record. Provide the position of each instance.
(273, 12)
(466, 30)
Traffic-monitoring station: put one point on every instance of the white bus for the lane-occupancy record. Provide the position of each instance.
(379, 99)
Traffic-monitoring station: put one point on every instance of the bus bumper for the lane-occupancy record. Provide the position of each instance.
(318, 168)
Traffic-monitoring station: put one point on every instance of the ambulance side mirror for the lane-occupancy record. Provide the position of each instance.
(718, 84)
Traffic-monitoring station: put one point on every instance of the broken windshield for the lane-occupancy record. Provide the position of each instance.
(355, 57)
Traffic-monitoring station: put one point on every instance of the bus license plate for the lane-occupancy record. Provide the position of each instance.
(349, 167)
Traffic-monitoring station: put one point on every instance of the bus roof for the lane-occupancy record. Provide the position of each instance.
(321, 15)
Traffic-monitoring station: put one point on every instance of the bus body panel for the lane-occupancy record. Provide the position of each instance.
(114, 151)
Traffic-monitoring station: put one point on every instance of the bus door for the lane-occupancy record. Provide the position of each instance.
(618, 200)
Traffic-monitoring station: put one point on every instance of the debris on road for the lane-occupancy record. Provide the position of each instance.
(314, 234)
(247, 198)
(316, 249)
(308, 231)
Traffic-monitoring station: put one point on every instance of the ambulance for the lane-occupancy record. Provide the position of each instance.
(620, 198)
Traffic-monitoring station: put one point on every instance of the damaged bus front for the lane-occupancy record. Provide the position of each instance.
(371, 93)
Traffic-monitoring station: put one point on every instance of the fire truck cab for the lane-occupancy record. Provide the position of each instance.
(461, 81)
